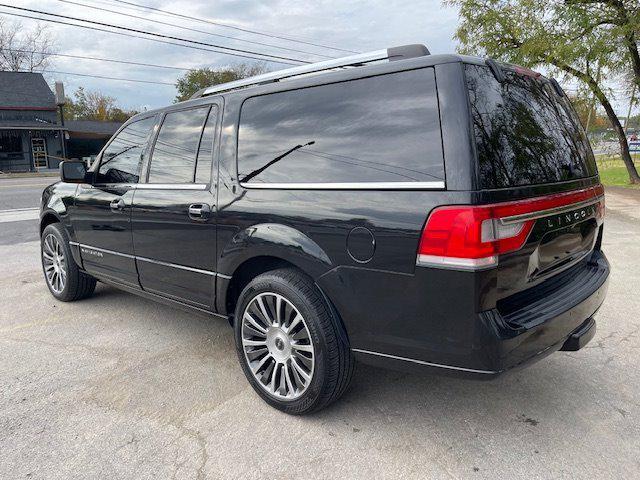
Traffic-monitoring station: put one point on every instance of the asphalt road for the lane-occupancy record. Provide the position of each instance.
(19, 202)
(119, 387)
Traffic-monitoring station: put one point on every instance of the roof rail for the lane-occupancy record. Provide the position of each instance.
(390, 54)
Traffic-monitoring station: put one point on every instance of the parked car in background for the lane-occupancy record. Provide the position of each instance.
(408, 210)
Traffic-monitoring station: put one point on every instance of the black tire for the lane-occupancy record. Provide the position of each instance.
(77, 284)
(333, 361)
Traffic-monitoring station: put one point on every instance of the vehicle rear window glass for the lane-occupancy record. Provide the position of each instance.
(122, 159)
(173, 159)
(378, 129)
(525, 133)
(205, 152)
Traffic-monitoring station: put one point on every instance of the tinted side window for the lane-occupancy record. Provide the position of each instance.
(173, 159)
(122, 159)
(205, 152)
(378, 129)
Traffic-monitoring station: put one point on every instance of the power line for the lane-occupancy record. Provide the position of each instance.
(106, 78)
(193, 29)
(247, 30)
(166, 42)
(160, 35)
(111, 60)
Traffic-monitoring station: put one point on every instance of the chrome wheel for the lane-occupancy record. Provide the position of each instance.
(55, 264)
(277, 346)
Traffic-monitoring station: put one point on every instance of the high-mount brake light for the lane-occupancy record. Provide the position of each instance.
(526, 71)
(472, 237)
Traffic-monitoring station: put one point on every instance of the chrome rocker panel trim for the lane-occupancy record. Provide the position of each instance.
(426, 364)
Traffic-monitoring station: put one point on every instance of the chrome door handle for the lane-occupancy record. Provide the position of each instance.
(199, 211)
(117, 204)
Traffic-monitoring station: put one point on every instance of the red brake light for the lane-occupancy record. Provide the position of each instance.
(474, 236)
(527, 71)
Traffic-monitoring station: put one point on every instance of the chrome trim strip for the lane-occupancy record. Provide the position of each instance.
(150, 260)
(173, 265)
(104, 250)
(346, 186)
(453, 263)
(428, 364)
(171, 186)
(550, 211)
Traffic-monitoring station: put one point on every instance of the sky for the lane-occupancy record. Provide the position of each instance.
(352, 25)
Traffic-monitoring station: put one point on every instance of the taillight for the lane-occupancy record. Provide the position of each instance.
(472, 237)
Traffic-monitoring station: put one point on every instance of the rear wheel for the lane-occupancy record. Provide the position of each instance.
(65, 280)
(290, 344)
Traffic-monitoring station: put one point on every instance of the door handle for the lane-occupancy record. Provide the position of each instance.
(199, 211)
(117, 205)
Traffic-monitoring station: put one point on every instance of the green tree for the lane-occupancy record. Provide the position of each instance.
(552, 34)
(93, 105)
(200, 78)
(620, 19)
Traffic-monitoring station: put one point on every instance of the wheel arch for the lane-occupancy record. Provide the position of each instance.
(258, 265)
(47, 219)
(50, 217)
(260, 248)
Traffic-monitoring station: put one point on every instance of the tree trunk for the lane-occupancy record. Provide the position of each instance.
(629, 39)
(613, 118)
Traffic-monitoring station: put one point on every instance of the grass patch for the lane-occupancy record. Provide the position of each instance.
(613, 172)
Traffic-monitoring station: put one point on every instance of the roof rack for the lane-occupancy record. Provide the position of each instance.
(390, 54)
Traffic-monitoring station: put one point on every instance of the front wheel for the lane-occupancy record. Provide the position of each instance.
(291, 346)
(65, 280)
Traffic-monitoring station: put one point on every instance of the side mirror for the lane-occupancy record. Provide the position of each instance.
(73, 172)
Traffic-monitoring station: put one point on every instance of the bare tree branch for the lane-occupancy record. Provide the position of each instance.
(24, 50)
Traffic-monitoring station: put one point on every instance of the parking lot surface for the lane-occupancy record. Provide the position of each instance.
(119, 387)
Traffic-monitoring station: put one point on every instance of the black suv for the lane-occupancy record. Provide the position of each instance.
(436, 212)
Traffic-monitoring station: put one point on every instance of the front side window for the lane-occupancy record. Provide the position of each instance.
(173, 159)
(122, 159)
(378, 129)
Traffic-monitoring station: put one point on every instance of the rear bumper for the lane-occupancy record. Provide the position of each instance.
(485, 345)
(561, 318)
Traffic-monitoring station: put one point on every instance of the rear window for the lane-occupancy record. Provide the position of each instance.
(173, 159)
(525, 133)
(377, 129)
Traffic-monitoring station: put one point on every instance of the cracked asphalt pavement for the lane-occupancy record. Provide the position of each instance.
(120, 387)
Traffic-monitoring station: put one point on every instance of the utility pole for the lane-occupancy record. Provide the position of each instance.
(631, 102)
(626, 126)
(593, 102)
(60, 101)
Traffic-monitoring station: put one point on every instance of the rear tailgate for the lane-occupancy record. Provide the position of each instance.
(531, 148)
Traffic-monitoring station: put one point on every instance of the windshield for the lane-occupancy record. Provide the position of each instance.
(525, 133)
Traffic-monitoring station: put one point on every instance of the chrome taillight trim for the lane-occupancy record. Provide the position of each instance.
(551, 211)
(455, 263)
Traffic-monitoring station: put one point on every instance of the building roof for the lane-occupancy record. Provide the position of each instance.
(92, 126)
(24, 90)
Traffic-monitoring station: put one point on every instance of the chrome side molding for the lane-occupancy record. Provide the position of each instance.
(436, 185)
(149, 260)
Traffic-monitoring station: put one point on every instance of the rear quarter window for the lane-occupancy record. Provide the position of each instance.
(525, 133)
(378, 129)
